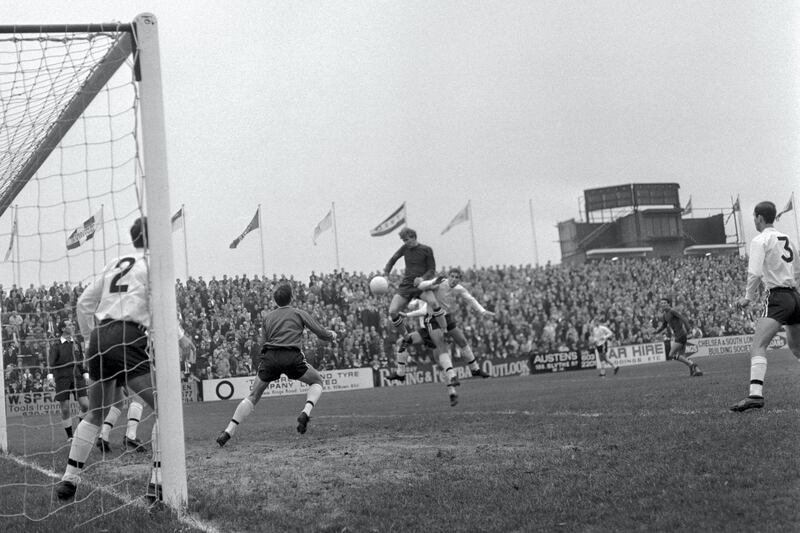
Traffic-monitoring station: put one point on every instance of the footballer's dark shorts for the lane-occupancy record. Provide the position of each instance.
(680, 339)
(281, 360)
(70, 385)
(783, 305)
(117, 351)
(601, 349)
(427, 341)
(431, 322)
(407, 290)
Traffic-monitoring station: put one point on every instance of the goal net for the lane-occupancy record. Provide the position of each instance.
(81, 157)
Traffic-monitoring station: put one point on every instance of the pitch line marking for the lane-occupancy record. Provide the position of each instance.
(184, 518)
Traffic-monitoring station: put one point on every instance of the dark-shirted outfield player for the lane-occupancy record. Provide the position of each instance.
(774, 263)
(419, 265)
(282, 354)
(679, 329)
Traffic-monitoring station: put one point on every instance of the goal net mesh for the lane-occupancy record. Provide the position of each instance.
(70, 188)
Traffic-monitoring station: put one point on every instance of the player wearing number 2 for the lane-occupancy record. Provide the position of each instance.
(113, 313)
(773, 262)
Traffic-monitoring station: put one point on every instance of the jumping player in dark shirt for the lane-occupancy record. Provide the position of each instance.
(679, 327)
(420, 265)
(282, 354)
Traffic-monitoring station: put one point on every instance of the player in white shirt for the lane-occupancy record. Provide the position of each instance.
(113, 313)
(446, 290)
(600, 337)
(774, 263)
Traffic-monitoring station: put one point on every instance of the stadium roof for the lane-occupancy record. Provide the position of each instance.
(711, 249)
(606, 253)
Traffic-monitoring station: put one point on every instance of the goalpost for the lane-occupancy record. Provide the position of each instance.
(82, 155)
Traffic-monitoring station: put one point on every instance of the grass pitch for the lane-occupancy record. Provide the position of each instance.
(650, 449)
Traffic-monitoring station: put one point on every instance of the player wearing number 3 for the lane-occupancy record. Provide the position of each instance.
(773, 262)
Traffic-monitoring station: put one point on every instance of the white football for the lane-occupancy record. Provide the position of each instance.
(379, 285)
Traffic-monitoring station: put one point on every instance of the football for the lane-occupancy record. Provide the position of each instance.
(379, 285)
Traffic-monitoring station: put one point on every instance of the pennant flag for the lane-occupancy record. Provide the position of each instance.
(87, 231)
(789, 207)
(324, 224)
(688, 209)
(250, 227)
(177, 220)
(11, 243)
(392, 222)
(462, 216)
(736, 207)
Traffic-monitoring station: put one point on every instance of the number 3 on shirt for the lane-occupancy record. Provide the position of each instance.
(785, 241)
(126, 264)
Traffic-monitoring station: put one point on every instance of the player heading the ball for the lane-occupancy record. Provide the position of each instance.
(420, 265)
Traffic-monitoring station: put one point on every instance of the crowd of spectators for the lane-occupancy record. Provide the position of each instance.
(538, 309)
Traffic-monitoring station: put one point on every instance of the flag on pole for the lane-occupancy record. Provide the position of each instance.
(462, 216)
(688, 209)
(86, 231)
(324, 224)
(789, 207)
(177, 220)
(250, 227)
(392, 222)
(736, 207)
(13, 233)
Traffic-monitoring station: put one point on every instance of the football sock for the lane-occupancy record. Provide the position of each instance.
(108, 423)
(397, 321)
(469, 356)
(758, 369)
(243, 410)
(438, 314)
(401, 363)
(134, 416)
(312, 396)
(82, 444)
(67, 423)
(446, 362)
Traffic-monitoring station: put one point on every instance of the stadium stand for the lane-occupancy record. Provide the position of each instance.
(539, 309)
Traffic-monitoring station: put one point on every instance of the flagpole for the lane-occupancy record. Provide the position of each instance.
(472, 232)
(533, 230)
(185, 245)
(261, 239)
(741, 225)
(16, 247)
(736, 225)
(335, 235)
(794, 216)
(12, 245)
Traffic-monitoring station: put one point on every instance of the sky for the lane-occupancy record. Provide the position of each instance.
(516, 107)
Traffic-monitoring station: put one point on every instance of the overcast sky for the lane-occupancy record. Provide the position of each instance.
(298, 105)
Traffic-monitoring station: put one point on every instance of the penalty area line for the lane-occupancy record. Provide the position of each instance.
(184, 518)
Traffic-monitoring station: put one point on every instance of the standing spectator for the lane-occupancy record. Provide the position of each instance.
(68, 374)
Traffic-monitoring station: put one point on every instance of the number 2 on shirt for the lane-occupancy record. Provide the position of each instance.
(126, 264)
